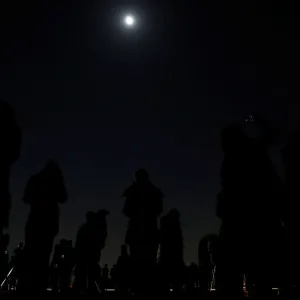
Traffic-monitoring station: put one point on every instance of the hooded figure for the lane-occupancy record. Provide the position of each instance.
(44, 192)
(143, 205)
(291, 160)
(248, 206)
(10, 140)
(90, 242)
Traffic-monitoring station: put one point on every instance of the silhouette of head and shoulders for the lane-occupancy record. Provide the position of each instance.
(93, 233)
(250, 184)
(143, 199)
(43, 192)
(246, 160)
(46, 187)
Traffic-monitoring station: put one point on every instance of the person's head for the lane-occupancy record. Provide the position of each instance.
(141, 176)
(21, 245)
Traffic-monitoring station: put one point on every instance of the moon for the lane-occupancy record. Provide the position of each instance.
(129, 20)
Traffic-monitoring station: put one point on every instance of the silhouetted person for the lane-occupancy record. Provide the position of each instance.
(123, 270)
(62, 265)
(206, 259)
(44, 192)
(171, 251)
(248, 206)
(10, 141)
(291, 159)
(143, 206)
(90, 242)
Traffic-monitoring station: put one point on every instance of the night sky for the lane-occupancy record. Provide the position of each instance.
(105, 100)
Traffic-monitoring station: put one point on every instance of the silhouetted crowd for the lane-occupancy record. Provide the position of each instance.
(256, 250)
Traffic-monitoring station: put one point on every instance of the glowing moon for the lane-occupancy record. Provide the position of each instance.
(129, 20)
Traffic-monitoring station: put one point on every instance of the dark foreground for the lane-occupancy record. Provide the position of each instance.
(112, 295)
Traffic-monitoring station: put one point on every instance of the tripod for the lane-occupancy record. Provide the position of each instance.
(87, 282)
(6, 278)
